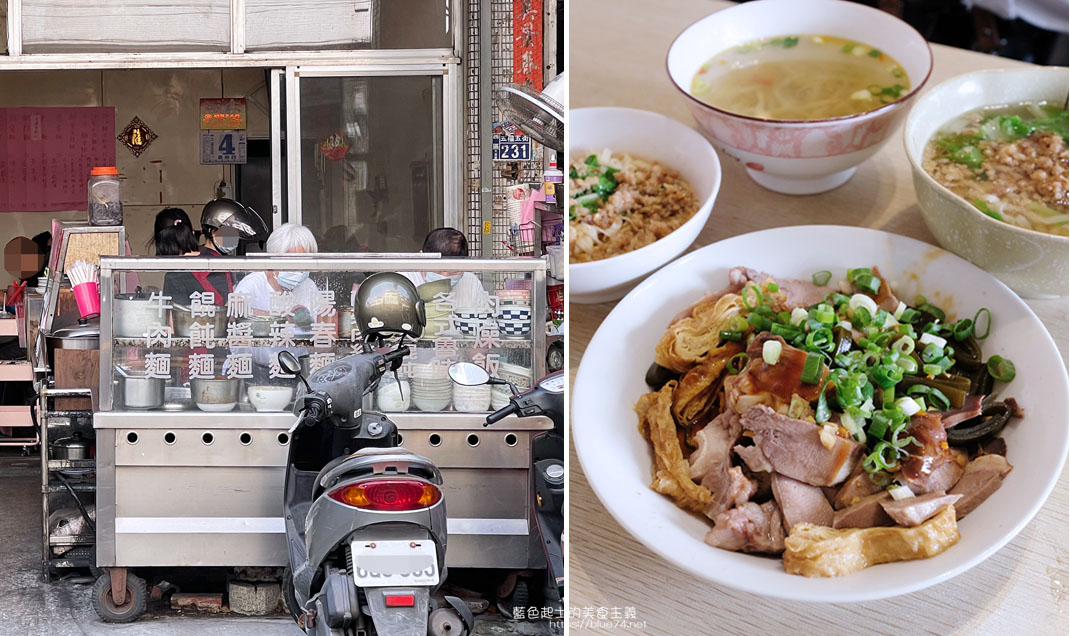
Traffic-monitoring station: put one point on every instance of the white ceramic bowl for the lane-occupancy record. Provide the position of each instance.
(390, 399)
(430, 404)
(616, 460)
(652, 137)
(1031, 263)
(270, 398)
(799, 157)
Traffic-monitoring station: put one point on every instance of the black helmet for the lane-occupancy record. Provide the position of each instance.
(226, 223)
(387, 303)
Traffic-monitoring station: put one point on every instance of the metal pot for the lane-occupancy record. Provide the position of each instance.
(143, 392)
(182, 318)
(81, 337)
(135, 315)
(219, 394)
(73, 447)
(262, 326)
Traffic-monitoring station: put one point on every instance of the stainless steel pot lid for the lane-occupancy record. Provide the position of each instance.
(75, 441)
(88, 330)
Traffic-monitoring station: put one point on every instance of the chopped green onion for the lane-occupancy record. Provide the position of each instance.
(905, 345)
(854, 273)
(878, 460)
(932, 369)
(758, 297)
(742, 358)
(887, 375)
(931, 352)
(755, 320)
(910, 315)
(798, 315)
(738, 323)
(868, 283)
(734, 336)
(821, 278)
(1001, 368)
(772, 287)
(811, 373)
(908, 364)
(784, 331)
(771, 351)
(932, 310)
(962, 329)
(936, 396)
(821, 339)
(977, 321)
(909, 406)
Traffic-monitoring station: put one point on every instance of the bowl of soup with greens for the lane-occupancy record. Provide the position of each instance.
(988, 154)
(800, 91)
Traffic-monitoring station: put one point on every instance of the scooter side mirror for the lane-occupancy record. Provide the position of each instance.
(288, 362)
(468, 374)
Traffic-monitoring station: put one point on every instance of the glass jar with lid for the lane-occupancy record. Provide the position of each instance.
(105, 196)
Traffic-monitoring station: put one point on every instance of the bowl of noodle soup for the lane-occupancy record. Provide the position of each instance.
(772, 111)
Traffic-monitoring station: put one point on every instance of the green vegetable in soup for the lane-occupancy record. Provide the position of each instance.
(983, 206)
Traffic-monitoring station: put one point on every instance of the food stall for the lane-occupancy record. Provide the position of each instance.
(193, 417)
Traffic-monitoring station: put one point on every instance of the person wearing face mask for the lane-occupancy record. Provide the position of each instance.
(288, 238)
(448, 242)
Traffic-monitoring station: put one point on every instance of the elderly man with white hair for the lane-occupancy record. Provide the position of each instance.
(288, 238)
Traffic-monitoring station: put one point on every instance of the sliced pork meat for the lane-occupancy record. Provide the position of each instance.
(994, 446)
(770, 384)
(711, 465)
(794, 447)
(982, 477)
(754, 459)
(800, 502)
(857, 486)
(750, 528)
(884, 297)
(971, 408)
(792, 293)
(931, 465)
(914, 511)
(867, 513)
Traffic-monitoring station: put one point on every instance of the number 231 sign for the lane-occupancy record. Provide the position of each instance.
(223, 146)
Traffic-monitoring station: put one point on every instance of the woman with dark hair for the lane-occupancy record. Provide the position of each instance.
(173, 236)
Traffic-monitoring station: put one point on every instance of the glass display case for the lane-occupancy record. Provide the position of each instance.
(186, 343)
(194, 412)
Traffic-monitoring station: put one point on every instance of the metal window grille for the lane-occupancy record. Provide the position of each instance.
(506, 239)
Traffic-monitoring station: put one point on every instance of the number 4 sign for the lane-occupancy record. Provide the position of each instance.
(223, 146)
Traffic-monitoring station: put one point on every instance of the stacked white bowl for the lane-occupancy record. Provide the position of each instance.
(471, 399)
(515, 373)
(389, 398)
(499, 397)
(431, 387)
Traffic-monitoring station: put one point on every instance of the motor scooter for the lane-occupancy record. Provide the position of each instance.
(365, 519)
(546, 398)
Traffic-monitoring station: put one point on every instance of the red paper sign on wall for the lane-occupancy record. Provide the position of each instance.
(527, 43)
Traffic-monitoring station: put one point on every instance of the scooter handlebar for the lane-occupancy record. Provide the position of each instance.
(500, 414)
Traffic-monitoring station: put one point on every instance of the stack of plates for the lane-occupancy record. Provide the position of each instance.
(499, 397)
(518, 375)
(431, 387)
(471, 399)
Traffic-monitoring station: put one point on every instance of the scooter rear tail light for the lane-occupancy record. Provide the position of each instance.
(400, 600)
(391, 495)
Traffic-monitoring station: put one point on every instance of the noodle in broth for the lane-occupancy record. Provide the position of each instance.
(800, 78)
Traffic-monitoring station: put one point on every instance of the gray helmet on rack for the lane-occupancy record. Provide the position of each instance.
(387, 303)
(226, 223)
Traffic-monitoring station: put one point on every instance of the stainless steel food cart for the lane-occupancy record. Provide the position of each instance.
(177, 486)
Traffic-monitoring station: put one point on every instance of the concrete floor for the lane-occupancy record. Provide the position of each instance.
(31, 607)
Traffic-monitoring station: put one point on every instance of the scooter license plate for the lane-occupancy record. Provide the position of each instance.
(394, 563)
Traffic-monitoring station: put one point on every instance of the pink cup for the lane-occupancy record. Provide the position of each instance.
(88, 297)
